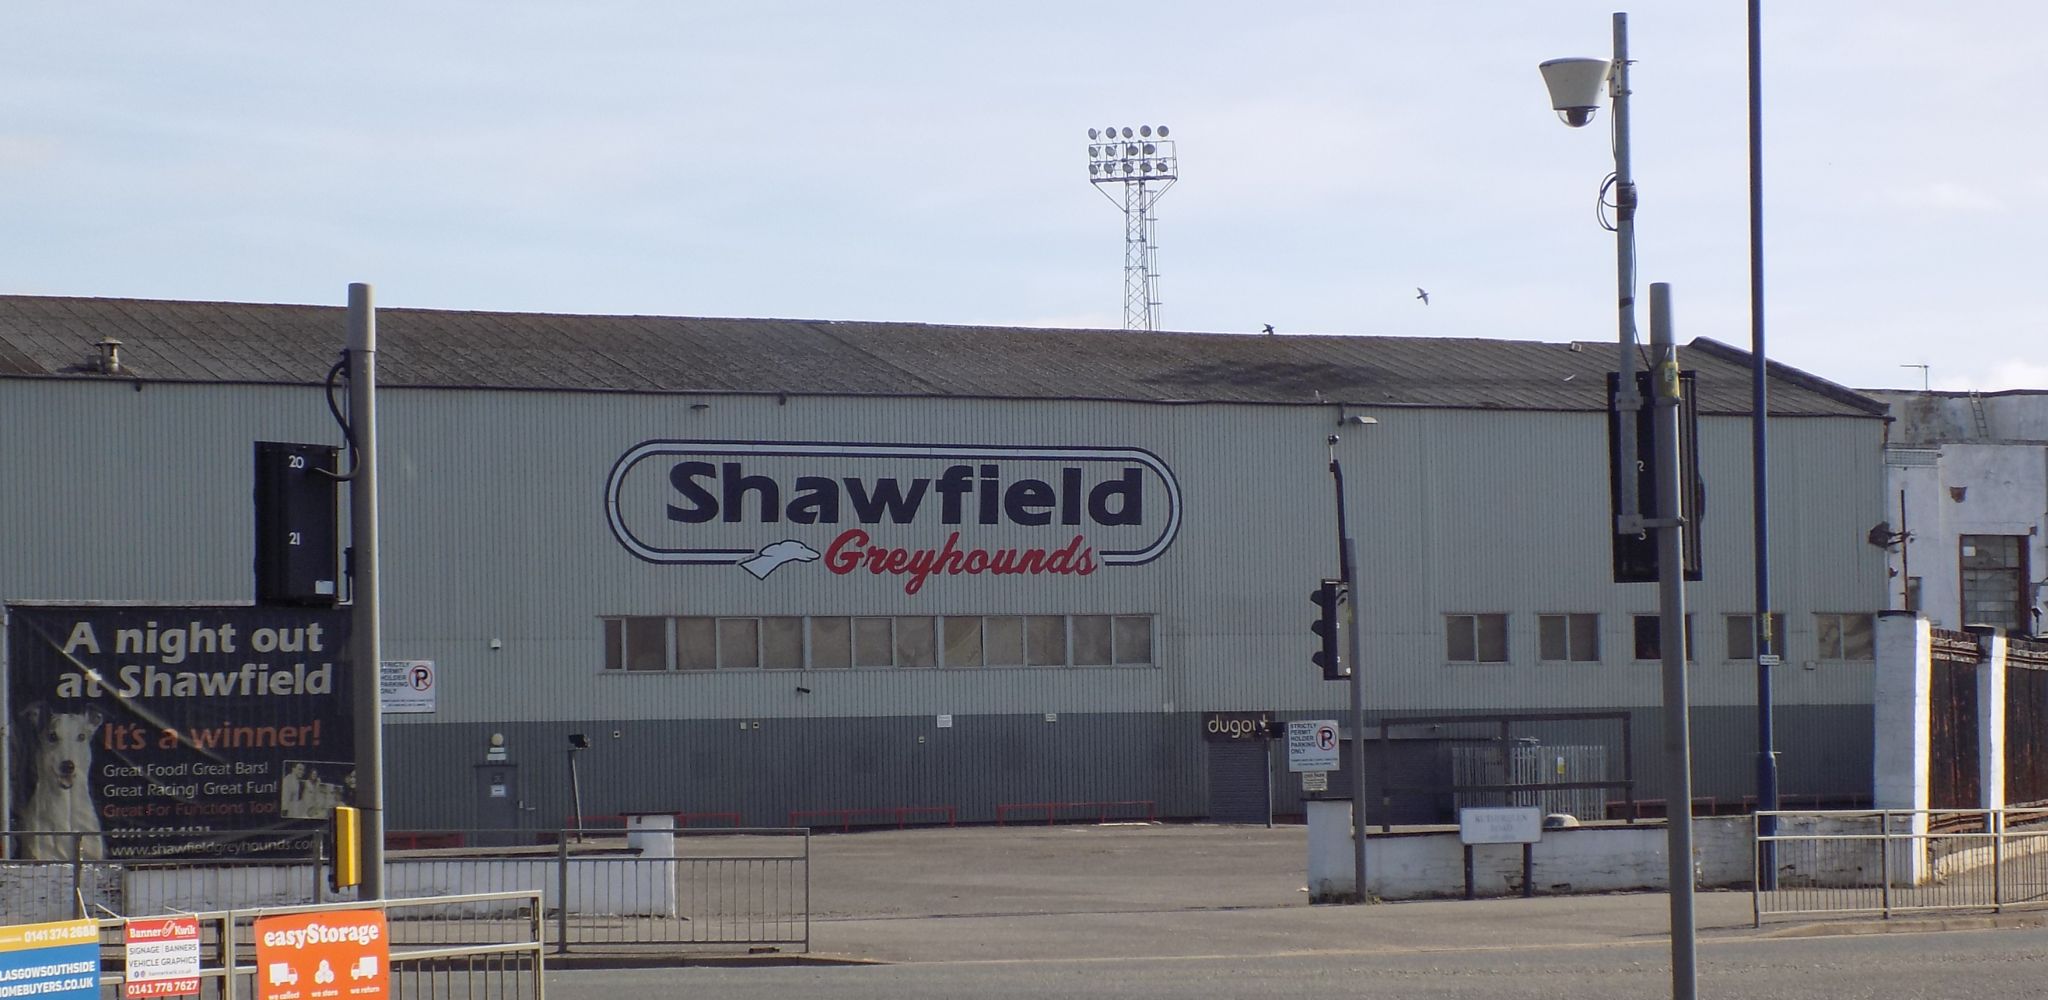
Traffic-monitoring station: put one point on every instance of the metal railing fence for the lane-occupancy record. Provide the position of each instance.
(706, 888)
(507, 963)
(1888, 861)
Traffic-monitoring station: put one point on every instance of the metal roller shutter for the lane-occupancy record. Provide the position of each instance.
(1237, 782)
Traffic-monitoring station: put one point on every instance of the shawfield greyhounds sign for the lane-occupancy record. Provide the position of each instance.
(913, 512)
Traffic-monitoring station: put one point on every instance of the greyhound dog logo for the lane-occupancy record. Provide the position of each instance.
(775, 556)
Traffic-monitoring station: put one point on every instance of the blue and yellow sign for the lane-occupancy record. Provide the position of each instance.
(59, 960)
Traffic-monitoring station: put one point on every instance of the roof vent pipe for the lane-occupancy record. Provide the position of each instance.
(110, 356)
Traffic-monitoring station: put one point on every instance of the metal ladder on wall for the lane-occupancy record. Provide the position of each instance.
(1977, 417)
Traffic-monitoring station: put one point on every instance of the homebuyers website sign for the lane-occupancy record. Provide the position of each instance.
(908, 512)
(176, 731)
(60, 960)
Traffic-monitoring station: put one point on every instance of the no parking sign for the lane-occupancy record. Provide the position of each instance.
(406, 686)
(1312, 745)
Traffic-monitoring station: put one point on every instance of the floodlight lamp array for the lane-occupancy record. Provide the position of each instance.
(1131, 154)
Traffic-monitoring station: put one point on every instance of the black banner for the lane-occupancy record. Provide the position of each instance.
(177, 731)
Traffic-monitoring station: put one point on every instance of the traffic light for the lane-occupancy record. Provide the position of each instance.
(1330, 599)
(344, 849)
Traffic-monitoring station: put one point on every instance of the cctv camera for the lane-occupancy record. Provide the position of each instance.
(1574, 86)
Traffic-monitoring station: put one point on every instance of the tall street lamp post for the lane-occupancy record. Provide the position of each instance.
(1574, 86)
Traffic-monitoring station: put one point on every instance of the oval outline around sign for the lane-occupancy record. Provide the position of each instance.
(829, 449)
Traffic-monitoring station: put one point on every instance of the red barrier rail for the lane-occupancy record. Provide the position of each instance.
(901, 815)
(418, 840)
(1054, 809)
(1656, 809)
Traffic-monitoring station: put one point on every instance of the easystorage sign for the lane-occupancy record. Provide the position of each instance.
(907, 511)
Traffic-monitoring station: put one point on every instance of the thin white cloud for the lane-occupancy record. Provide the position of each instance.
(1947, 196)
(2007, 373)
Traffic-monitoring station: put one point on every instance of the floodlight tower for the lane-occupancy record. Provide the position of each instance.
(1142, 160)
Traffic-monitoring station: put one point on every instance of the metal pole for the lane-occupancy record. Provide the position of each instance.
(1672, 644)
(1627, 403)
(6, 747)
(1268, 741)
(1759, 441)
(1905, 560)
(562, 891)
(576, 794)
(1349, 554)
(1357, 685)
(365, 638)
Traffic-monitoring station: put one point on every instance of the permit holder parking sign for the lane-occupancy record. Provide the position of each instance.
(1312, 745)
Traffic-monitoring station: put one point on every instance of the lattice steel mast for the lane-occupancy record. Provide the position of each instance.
(1142, 160)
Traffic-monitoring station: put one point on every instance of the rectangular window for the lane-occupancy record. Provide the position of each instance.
(1569, 637)
(646, 644)
(696, 643)
(1091, 641)
(831, 642)
(1476, 638)
(739, 643)
(1003, 642)
(1648, 633)
(872, 642)
(615, 644)
(1994, 575)
(798, 642)
(963, 641)
(1742, 636)
(1844, 636)
(1045, 640)
(1913, 594)
(782, 643)
(915, 645)
(1133, 639)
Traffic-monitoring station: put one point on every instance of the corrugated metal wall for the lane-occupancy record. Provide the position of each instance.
(495, 535)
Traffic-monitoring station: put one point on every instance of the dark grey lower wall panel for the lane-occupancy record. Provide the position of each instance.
(765, 771)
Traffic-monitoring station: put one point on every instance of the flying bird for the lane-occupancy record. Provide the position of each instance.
(1420, 294)
(1269, 329)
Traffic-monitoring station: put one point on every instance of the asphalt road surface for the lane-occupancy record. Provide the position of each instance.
(1187, 912)
(2008, 962)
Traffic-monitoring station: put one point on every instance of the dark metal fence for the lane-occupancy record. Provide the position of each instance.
(2026, 721)
(1580, 763)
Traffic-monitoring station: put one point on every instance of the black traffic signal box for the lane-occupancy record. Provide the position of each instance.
(1332, 598)
(298, 524)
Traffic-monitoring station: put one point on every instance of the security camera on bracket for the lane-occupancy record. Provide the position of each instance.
(1575, 87)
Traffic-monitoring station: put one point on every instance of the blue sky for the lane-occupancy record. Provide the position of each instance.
(927, 162)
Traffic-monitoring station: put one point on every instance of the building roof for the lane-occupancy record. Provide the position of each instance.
(173, 341)
(1929, 419)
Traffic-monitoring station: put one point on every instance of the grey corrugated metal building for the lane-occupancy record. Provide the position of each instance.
(775, 566)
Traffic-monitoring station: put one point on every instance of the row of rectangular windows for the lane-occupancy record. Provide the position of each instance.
(1575, 638)
(819, 642)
